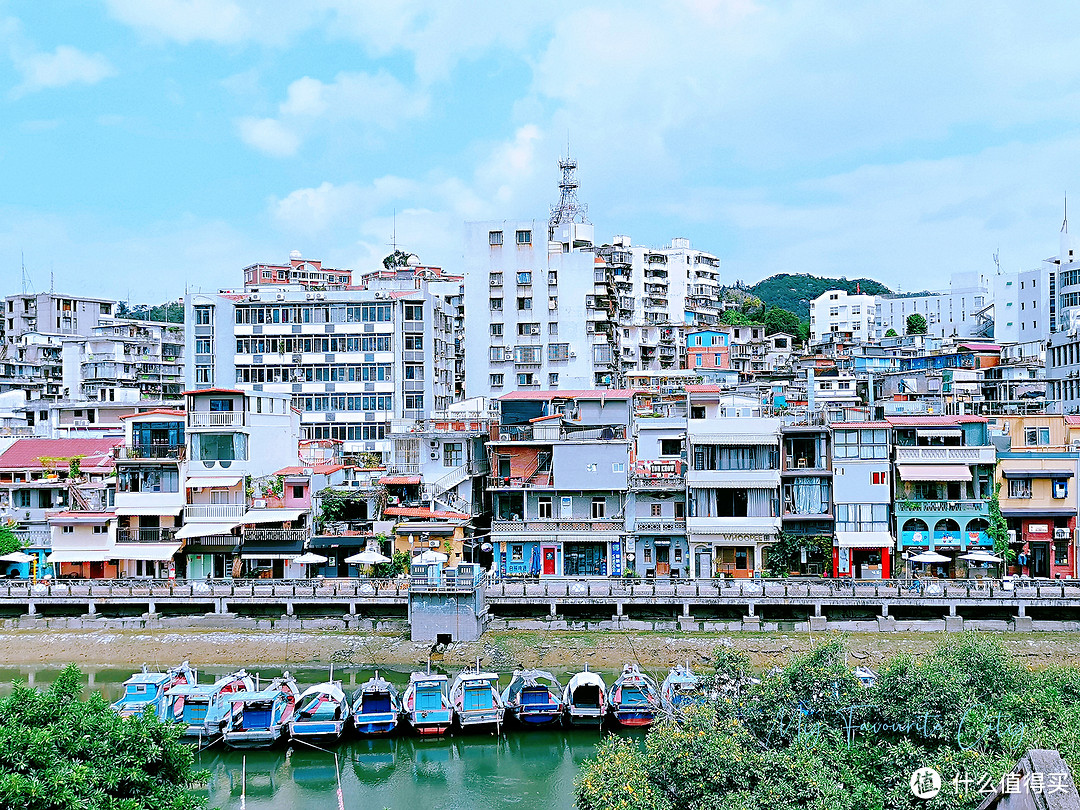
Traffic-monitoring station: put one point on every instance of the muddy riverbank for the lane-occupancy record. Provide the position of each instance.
(501, 650)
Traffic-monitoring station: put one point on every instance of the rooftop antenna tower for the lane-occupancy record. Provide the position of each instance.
(1065, 222)
(569, 208)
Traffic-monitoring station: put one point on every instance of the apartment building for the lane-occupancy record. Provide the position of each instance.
(944, 476)
(1037, 478)
(124, 360)
(806, 478)
(962, 311)
(863, 492)
(353, 360)
(559, 483)
(840, 312)
(733, 485)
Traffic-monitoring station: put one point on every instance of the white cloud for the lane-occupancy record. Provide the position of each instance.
(185, 21)
(269, 136)
(60, 68)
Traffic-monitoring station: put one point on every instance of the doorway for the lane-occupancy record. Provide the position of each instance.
(703, 565)
(549, 561)
(1040, 560)
(663, 560)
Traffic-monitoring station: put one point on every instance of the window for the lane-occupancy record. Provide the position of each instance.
(220, 405)
(414, 402)
(862, 517)
(202, 346)
(524, 237)
(526, 329)
(202, 316)
(1037, 436)
(495, 278)
(618, 466)
(496, 380)
(599, 508)
(878, 478)
(101, 529)
(527, 378)
(496, 304)
(452, 454)
(202, 375)
(527, 354)
(517, 552)
(413, 343)
(524, 303)
(655, 509)
(697, 411)
(1019, 488)
(553, 378)
(553, 329)
(1061, 488)
(496, 354)
(1061, 552)
(496, 238)
(558, 351)
(647, 552)
(671, 447)
(524, 277)
(496, 330)
(298, 491)
(543, 508)
(414, 312)
(68, 529)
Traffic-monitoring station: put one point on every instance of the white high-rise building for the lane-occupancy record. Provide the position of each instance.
(961, 311)
(838, 311)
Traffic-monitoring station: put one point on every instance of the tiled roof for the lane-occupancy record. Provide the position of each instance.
(709, 388)
(26, 454)
(860, 425)
(316, 469)
(609, 393)
(932, 421)
(980, 347)
(400, 479)
(162, 411)
(424, 512)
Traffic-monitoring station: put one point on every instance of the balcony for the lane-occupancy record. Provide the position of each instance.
(733, 525)
(276, 536)
(537, 480)
(34, 538)
(549, 526)
(214, 511)
(653, 526)
(912, 507)
(929, 455)
(347, 528)
(147, 535)
(215, 419)
(132, 452)
(657, 482)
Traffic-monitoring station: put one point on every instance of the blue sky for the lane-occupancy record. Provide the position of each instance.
(151, 145)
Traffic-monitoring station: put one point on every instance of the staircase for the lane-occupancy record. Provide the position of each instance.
(440, 492)
(542, 465)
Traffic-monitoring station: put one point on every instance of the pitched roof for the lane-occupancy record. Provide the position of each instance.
(932, 421)
(400, 479)
(316, 469)
(424, 512)
(162, 411)
(26, 454)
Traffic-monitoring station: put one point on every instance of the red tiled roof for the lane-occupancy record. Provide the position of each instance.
(400, 479)
(708, 388)
(214, 391)
(423, 512)
(162, 411)
(547, 418)
(609, 393)
(26, 454)
(932, 421)
(860, 424)
(1072, 419)
(316, 469)
(90, 516)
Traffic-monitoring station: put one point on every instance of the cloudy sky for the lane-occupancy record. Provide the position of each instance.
(153, 145)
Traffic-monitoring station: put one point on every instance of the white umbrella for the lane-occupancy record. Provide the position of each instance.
(367, 558)
(17, 557)
(430, 557)
(310, 558)
(930, 557)
(981, 556)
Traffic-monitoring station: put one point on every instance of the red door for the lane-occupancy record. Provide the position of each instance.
(549, 561)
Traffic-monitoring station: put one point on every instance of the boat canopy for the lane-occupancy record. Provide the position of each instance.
(255, 697)
(524, 679)
(331, 690)
(586, 679)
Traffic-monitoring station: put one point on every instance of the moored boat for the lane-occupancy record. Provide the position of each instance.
(476, 700)
(145, 690)
(634, 698)
(321, 714)
(204, 709)
(427, 705)
(259, 718)
(585, 699)
(681, 688)
(376, 708)
(534, 697)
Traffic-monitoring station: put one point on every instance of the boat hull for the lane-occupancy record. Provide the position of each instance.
(538, 717)
(481, 720)
(328, 731)
(585, 717)
(255, 738)
(633, 719)
(375, 724)
(431, 723)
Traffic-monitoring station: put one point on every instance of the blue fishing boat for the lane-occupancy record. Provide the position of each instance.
(585, 699)
(476, 700)
(427, 705)
(322, 713)
(634, 698)
(259, 719)
(145, 690)
(680, 689)
(204, 709)
(534, 697)
(376, 708)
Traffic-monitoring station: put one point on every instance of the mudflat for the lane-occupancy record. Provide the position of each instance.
(503, 650)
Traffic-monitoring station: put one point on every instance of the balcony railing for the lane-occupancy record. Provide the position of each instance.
(347, 528)
(539, 480)
(147, 535)
(202, 419)
(176, 452)
(507, 526)
(915, 506)
(969, 455)
(659, 482)
(214, 511)
(669, 526)
(276, 535)
(34, 538)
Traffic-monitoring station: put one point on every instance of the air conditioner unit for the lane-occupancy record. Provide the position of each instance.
(434, 442)
(1012, 535)
(434, 455)
(310, 296)
(393, 500)
(495, 283)
(433, 543)
(280, 296)
(1061, 534)
(254, 297)
(573, 355)
(320, 296)
(503, 437)
(259, 503)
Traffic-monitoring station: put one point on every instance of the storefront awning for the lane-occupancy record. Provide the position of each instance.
(213, 481)
(1037, 473)
(934, 472)
(204, 529)
(738, 483)
(145, 551)
(140, 511)
(864, 540)
(281, 550)
(735, 439)
(76, 555)
(271, 515)
(342, 541)
(939, 432)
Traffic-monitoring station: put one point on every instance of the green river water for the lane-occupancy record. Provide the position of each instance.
(522, 769)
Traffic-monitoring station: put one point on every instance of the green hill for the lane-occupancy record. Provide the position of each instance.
(795, 292)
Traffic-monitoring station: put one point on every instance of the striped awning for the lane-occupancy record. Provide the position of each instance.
(864, 540)
(934, 472)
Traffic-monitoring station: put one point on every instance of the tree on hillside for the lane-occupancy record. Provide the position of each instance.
(60, 751)
(780, 320)
(916, 324)
(732, 317)
(794, 292)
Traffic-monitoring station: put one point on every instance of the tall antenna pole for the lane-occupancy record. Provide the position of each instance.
(569, 208)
